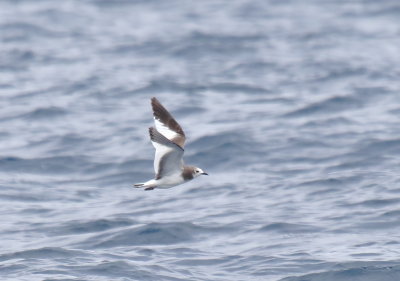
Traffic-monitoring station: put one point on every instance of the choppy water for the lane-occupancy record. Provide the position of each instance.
(293, 107)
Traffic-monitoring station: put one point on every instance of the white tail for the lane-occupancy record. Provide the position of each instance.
(151, 184)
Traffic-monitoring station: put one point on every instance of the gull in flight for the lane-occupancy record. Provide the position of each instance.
(168, 139)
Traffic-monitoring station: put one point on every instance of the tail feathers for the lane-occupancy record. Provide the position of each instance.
(149, 185)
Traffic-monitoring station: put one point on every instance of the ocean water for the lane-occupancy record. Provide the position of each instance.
(292, 107)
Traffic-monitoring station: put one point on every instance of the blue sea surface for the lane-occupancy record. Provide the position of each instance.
(292, 107)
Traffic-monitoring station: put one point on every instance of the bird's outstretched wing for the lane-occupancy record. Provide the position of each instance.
(168, 157)
(166, 124)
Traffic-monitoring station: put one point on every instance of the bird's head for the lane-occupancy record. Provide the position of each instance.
(198, 172)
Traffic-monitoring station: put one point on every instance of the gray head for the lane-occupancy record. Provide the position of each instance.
(191, 172)
(198, 172)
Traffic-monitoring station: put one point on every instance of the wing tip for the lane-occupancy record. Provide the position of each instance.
(157, 137)
(161, 114)
(151, 133)
(159, 110)
(155, 102)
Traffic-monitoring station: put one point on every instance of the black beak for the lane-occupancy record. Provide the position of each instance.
(204, 174)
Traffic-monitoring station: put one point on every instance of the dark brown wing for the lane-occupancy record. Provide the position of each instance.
(166, 124)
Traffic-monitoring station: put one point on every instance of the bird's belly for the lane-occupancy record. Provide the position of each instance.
(170, 181)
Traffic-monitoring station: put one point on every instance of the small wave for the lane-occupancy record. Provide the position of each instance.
(331, 105)
(149, 234)
(199, 44)
(289, 228)
(156, 87)
(25, 30)
(47, 165)
(41, 253)
(328, 182)
(160, 86)
(222, 150)
(380, 147)
(237, 87)
(45, 113)
(78, 227)
(364, 273)
(374, 225)
(391, 214)
(378, 203)
(112, 269)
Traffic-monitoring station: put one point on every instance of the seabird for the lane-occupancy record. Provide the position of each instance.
(168, 139)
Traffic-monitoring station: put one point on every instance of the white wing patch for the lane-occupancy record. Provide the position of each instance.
(166, 124)
(168, 156)
(164, 130)
(161, 150)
